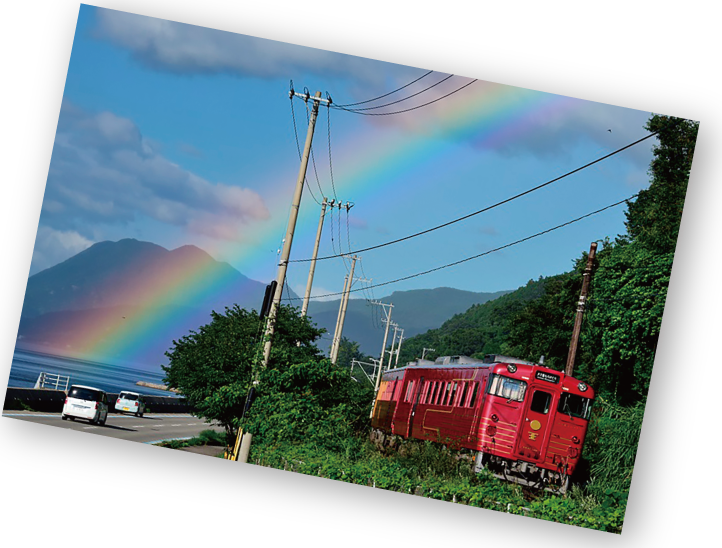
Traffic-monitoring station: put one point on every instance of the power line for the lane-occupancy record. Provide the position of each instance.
(408, 109)
(389, 93)
(488, 207)
(358, 110)
(487, 252)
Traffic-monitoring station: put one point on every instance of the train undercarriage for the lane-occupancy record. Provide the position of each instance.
(520, 472)
(523, 473)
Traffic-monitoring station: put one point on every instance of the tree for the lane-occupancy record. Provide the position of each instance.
(213, 367)
(627, 300)
(653, 218)
(311, 402)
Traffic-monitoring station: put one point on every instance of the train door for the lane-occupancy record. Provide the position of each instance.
(533, 431)
(410, 430)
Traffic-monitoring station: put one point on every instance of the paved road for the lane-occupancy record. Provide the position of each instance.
(151, 428)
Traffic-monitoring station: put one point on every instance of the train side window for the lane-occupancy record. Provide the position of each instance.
(425, 393)
(447, 393)
(540, 402)
(452, 395)
(442, 393)
(409, 391)
(397, 390)
(464, 389)
(434, 391)
(472, 399)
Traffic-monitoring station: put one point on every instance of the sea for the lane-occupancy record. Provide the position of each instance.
(27, 366)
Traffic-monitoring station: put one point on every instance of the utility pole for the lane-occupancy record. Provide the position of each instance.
(398, 350)
(580, 310)
(393, 343)
(312, 270)
(383, 346)
(423, 352)
(245, 445)
(293, 216)
(342, 313)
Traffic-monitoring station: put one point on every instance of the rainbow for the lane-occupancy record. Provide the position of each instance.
(483, 114)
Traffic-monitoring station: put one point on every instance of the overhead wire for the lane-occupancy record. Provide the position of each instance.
(547, 231)
(493, 206)
(389, 93)
(399, 100)
(408, 109)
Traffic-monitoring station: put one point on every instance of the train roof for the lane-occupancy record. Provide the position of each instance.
(465, 362)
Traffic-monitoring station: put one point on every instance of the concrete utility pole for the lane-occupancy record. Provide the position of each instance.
(312, 270)
(288, 241)
(342, 312)
(398, 350)
(293, 216)
(393, 343)
(580, 310)
(383, 346)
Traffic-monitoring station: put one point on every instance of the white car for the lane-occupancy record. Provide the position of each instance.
(86, 402)
(130, 402)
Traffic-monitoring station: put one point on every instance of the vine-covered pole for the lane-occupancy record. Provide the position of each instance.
(580, 310)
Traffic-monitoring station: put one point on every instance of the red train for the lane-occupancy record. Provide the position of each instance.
(526, 422)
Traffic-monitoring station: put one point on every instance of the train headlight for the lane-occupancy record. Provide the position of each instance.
(491, 430)
(494, 417)
(582, 387)
(511, 368)
(575, 440)
(573, 452)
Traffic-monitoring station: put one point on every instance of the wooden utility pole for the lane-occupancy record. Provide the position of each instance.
(580, 310)
(312, 270)
(342, 313)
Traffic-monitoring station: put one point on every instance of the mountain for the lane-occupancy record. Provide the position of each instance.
(415, 311)
(133, 273)
(87, 302)
(83, 302)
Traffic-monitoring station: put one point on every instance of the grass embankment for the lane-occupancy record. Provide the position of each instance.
(429, 470)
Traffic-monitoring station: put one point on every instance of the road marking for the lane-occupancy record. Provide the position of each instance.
(176, 425)
(89, 427)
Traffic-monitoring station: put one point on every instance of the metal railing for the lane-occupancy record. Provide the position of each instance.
(52, 381)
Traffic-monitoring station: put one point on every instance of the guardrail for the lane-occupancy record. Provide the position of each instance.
(52, 380)
(51, 401)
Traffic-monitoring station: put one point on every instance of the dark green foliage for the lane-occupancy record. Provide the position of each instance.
(314, 402)
(543, 326)
(653, 219)
(212, 367)
(480, 330)
(624, 319)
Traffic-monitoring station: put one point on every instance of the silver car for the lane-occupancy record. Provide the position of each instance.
(130, 402)
(86, 402)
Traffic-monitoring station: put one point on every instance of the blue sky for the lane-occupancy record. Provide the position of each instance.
(183, 135)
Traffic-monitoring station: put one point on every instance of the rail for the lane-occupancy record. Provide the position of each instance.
(52, 381)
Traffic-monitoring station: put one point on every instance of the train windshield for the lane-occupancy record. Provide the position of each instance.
(511, 389)
(575, 406)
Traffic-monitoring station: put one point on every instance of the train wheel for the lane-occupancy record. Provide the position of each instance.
(480, 462)
(562, 486)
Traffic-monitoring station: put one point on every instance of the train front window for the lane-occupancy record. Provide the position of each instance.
(575, 406)
(510, 389)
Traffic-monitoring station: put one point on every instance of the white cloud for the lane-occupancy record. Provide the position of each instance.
(54, 246)
(182, 48)
(103, 172)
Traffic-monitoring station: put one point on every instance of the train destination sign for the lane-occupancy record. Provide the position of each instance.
(541, 375)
